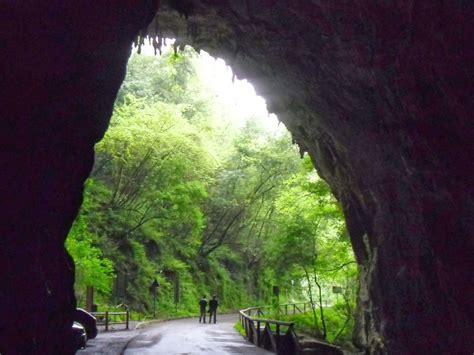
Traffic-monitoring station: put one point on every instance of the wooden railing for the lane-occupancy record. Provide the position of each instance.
(112, 318)
(274, 335)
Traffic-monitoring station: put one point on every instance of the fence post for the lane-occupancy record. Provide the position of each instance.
(106, 320)
(277, 337)
(127, 319)
(258, 333)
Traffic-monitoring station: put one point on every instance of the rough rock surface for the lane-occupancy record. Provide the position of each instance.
(379, 94)
(61, 66)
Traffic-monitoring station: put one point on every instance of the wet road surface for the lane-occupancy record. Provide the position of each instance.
(188, 336)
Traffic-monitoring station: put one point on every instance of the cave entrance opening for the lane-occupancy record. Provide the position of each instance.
(195, 181)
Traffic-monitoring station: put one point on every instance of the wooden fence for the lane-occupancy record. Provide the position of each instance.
(274, 335)
(112, 318)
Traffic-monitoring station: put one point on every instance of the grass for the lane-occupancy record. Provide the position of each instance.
(240, 329)
(339, 330)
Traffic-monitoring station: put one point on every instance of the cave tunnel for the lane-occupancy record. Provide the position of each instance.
(378, 93)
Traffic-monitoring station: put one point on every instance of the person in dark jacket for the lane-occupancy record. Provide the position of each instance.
(213, 308)
(202, 308)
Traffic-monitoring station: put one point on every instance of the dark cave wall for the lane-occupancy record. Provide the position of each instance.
(379, 95)
(62, 64)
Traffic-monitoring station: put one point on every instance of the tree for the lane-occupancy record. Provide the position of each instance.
(92, 268)
(243, 192)
(312, 236)
(151, 171)
(181, 194)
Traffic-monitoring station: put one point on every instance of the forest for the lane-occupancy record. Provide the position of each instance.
(188, 191)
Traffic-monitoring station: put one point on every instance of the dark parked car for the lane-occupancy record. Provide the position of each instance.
(80, 336)
(88, 321)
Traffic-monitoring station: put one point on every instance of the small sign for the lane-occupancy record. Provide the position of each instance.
(337, 289)
(155, 284)
(177, 293)
(276, 290)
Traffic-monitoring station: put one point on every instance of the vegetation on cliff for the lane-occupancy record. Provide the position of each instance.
(186, 190)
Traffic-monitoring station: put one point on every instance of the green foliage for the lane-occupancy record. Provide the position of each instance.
(339, 325)
(311, 246)
(92, 268)
(240, 329)
(304, 324)
(170, 199)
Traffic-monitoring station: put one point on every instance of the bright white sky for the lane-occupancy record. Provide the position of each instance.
(238, 95)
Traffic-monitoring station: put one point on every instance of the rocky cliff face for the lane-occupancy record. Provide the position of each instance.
(379, 95)
(62, 64)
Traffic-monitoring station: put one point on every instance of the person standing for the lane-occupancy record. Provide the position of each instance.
(202, 308)
(213, 308)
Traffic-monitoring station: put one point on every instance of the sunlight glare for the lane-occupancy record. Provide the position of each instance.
(239, 98)
(238, 94)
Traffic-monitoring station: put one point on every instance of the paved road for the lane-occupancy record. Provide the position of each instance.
(183, 336)
(108, 343)
(188, 336)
